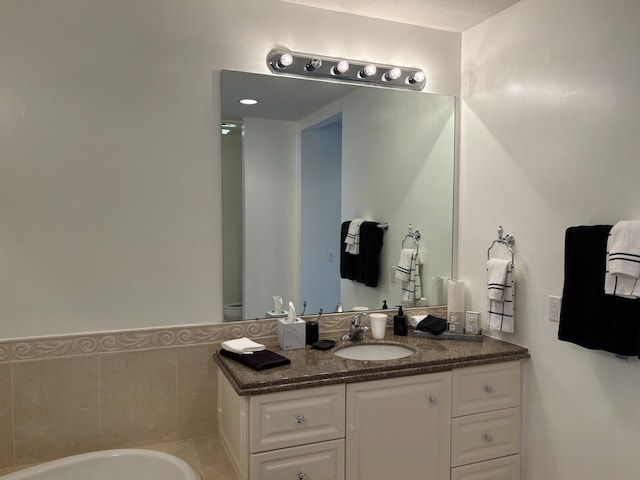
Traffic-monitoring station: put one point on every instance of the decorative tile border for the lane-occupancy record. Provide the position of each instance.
(94, 343)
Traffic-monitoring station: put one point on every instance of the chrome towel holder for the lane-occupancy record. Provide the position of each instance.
(507, 240)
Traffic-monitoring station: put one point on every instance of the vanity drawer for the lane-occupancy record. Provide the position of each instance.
(483, 436)
(319, 461)
(486, 388)
(297, 417)
(506, 468)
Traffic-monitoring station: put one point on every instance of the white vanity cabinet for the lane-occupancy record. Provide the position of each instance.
(399, 428)
(462, 424)
(486, 423)
(297, 434)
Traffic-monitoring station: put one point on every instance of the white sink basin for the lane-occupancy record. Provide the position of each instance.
(374, 351)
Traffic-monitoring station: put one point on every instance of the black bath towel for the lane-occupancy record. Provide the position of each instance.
(257, 360)
(364, 267)
(588, 317)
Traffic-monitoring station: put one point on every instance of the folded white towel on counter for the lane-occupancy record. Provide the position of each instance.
(242, 345)
(496, 278)
(403, 269)
(501, 313)
(352, 239)
(623, 260)
(414, 320)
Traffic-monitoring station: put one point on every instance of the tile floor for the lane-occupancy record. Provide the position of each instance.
(205, 453)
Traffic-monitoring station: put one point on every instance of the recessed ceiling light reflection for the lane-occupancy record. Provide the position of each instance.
(248, 101)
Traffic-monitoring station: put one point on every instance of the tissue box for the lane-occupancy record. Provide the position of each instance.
(291, 336)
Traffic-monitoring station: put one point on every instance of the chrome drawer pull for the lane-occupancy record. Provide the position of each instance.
(488, 389)
(300, 420)
(302, 476)
(488, 437)
(433, 399)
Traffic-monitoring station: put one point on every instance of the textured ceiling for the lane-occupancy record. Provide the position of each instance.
(449, 15)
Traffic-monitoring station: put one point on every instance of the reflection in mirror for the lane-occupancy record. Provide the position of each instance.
(311, 155)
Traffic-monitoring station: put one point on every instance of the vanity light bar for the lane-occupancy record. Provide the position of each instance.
(303, 64)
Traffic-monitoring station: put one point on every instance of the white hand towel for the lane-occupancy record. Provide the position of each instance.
(353, 237)
(624, 249)
(501, 314)
(412, 288)
(623, 260)
(403, 269)
(242, 345)
(496, 278)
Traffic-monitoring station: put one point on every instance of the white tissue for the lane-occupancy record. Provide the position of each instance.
(277, 304)
(291, 316)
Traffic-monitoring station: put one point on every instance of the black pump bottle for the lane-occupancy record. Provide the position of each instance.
(400, 323)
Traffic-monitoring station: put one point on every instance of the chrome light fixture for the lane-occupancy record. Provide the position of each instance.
(283, 61)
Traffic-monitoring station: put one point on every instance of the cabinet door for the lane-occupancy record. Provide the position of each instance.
(317, 461)
(506, 468)
(485, 388)
(485, 435)
(399, 428)
(296, 417)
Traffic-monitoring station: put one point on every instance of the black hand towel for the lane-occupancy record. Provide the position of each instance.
(588, 317)
(364, 267)
(431, 324)
(257, 360)
(348, 262)
(368, 267)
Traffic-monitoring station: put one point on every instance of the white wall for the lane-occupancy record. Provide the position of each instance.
(397, 168)
(270, 157)
(550, 118)
(110, 169)
(232, 216)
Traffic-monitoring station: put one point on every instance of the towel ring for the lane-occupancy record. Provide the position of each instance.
(415, 236)
(508, 240)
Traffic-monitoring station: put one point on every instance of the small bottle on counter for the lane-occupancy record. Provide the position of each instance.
(312, 332)
(400, 323)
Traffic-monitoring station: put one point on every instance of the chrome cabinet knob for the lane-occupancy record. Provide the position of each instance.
(300, 419)
(302, 476)
(433, 399)
(488, 437)
(488, 389)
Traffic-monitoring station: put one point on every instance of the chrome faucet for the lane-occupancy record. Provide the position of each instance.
(357, 329)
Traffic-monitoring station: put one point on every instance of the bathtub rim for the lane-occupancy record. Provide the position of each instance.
(188, 470)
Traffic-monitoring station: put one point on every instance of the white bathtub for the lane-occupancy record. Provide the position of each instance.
(125, 464)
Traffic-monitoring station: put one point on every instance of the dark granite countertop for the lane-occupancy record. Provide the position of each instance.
(312, 368)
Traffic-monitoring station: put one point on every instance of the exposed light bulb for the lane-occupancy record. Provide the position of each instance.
(417, 77)
(313, 64)
(341, 67)
(284, 61)
(368, 71)
(393, 74)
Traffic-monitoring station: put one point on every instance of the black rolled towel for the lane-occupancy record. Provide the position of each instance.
(257, 360)
(431, 324)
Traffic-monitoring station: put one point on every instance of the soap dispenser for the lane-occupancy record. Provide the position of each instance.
(400, 323)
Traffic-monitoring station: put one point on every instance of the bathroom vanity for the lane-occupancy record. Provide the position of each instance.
(449, 411)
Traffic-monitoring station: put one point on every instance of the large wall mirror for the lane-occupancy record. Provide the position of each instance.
(311, 155)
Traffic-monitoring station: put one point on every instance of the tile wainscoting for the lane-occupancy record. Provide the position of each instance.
(71, 394)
